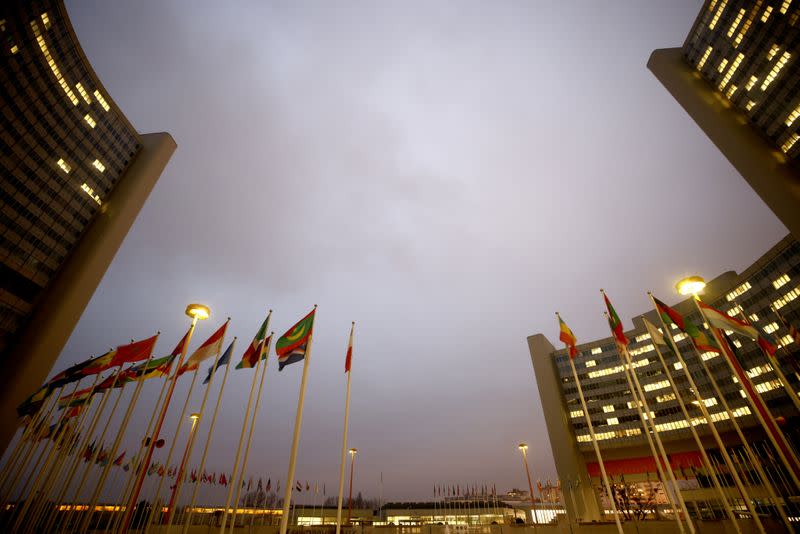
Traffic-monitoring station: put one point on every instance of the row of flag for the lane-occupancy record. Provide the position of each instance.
(721, 326)
(131, 363)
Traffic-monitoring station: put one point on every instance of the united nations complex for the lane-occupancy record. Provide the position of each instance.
(75, 174)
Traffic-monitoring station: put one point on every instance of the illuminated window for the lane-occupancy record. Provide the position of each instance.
(665, 398)
(642, 337)
(608, 408)
(717, 14)
(766, 14)
(612, 421)
(678, 366)
(787, 146)
(590, 363)
(597, 350)
(722, 65)
(753, 317)
(102, 100)
(759, 370)
(14, 49)
(83, 93)
(736, 21)
(709, 355)
(751, 82)
(43, 47)
(576, 413)
(704, 58)
(89, 120)
(707, 402)
(750, 105)
(711, 5)
(785, 6)
(738, 291)
(747, 24)
(734, 380)
(736, 342)
(785, 340)
(772, 51)
(787, 298)
(733, 312)
(730, 91)
(776, 69)
(46, 21)
(768, 386)
(679, 337)
(632, 405)
(782, 280)
(63, 164)
(99, 166)
(642, 350)
(89, 191)
(656, 385)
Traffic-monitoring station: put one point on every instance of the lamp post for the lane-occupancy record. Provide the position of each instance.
(179, 477)
(198, 312)
(350, 498)
(524, 448)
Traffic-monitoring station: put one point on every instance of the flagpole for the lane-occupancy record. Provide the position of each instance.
(296, 439)
(176, 493)
(159, 511)
(783, 448)
(188, 519)
(115, 447)
(252, 424)
(96, 452)
(594, 443)
(700, 446)
(196, 312)
(31, 432)
(702, 406)
(134, 460)
(234, 479)
(344, 441)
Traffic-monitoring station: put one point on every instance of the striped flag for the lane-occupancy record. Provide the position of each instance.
(291, 347)
(207, 350)
(255, 349)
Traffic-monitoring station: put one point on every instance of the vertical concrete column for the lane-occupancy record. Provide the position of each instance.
(568, 458)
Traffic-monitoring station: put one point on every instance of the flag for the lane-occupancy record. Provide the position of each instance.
(616, 324)
(269, 484)
(567, 337)
(119, 459)
(723, 321)
(657, 337)
(135, 352)
(207, 350)
(299, 486)
(671, 316)
(793, 331)
(152, 369)
(222, 480)
(291, 347)
(32, 404)
(766, 345)
(349, 357)
(223, 360)
(74, 399)
(254, 350)
(102, 363)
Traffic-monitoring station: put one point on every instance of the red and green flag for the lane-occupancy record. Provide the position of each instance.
(616, 324)
(292, 346)
(698, 337)
(255, 348)
(136, 351)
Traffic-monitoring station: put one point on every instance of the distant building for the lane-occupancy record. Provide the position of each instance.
(773, 280)
(75, 174)
(738, 77)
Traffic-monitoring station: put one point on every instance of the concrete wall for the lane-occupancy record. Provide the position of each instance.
(28, 363)
(764, 167)
(569, 461)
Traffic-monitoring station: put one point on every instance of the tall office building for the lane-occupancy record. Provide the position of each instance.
(738, 77)
(772, 281)
(75, 174)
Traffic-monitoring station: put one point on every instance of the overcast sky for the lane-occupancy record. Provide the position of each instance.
(446, 174)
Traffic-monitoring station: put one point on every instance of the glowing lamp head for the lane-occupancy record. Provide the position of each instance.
(198, 311)
(194, 417)
(523, 447)
(691, 285)
(353, 452)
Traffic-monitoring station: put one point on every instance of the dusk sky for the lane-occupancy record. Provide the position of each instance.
(446, 174)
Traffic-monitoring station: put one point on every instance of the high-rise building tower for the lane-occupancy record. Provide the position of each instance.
(738, 77)
(74, 175)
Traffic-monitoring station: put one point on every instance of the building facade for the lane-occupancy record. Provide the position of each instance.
(75, 174)
(773, 281)
(738, 76)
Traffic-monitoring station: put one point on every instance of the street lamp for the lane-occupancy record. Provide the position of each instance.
(691, 285)
(198, 312)
(524, 448)
(179, 477)
(350, 499)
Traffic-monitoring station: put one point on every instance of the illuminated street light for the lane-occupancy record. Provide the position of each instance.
(524, 448)
(691, 285)
(350, 499)
(198, 311)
